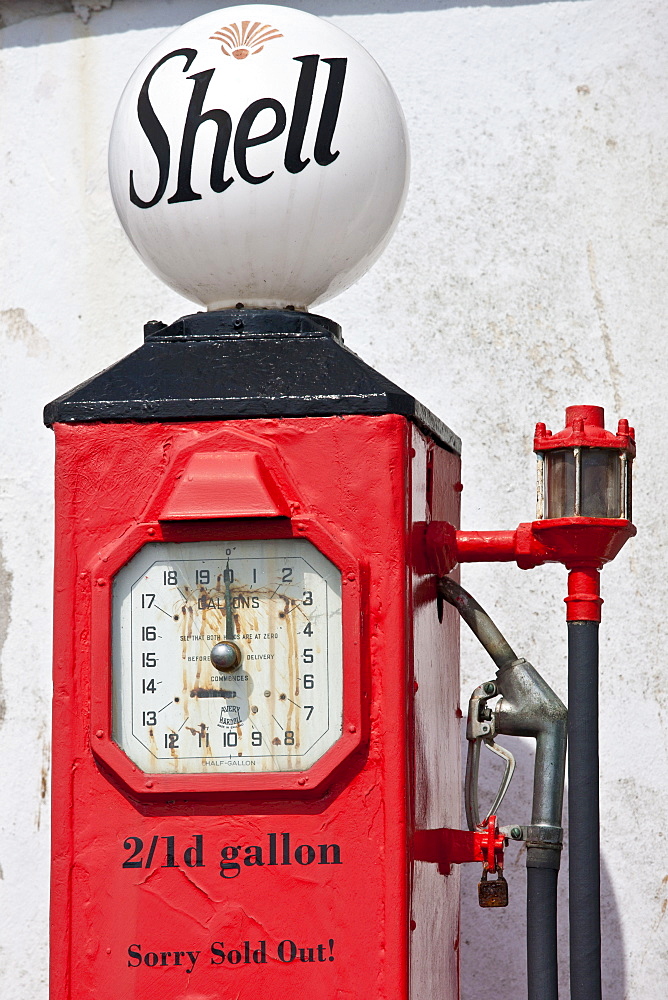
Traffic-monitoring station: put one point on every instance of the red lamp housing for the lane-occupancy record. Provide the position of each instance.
(583, 510)
(584, 470)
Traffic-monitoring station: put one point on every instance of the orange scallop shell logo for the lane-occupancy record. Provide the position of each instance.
(246, 39)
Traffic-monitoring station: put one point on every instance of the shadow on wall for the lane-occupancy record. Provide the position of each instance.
(103, 17)
(493, 942)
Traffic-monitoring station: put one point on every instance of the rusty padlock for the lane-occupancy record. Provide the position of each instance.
(492, 893)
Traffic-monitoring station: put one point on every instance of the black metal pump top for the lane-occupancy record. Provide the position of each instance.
(240, 364)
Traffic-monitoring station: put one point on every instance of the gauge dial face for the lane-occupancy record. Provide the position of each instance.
(227, 656)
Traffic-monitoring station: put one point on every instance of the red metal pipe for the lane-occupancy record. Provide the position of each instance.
(582, 544)
(447, 547)
(583, 603)
(486, 546)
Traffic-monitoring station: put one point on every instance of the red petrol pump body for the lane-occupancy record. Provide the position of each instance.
(256, 683)
(216, 867)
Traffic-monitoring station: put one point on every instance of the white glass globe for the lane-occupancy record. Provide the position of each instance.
(258, 155)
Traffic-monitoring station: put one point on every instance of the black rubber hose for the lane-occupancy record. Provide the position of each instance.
(584, 851)
(542, 969)
(542, 864)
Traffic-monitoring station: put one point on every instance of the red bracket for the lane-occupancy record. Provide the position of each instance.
(582, 544)
(446, 847)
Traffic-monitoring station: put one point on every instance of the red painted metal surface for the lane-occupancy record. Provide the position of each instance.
(448, 547)
(582, 544)
(583, 602)
(448, 847)
(215, 485)
(179, 924)
(572, 541)
(585, 427)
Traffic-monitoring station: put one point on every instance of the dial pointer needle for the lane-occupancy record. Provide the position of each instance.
(229, 617)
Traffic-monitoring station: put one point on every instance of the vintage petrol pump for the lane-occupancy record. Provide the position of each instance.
(255, 702)
(256, 783)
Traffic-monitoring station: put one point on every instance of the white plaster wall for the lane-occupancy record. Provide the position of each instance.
(528, 273)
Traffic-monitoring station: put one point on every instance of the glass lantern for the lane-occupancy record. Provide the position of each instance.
(584, 470)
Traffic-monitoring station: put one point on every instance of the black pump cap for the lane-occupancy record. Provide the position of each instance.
(241, 364)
